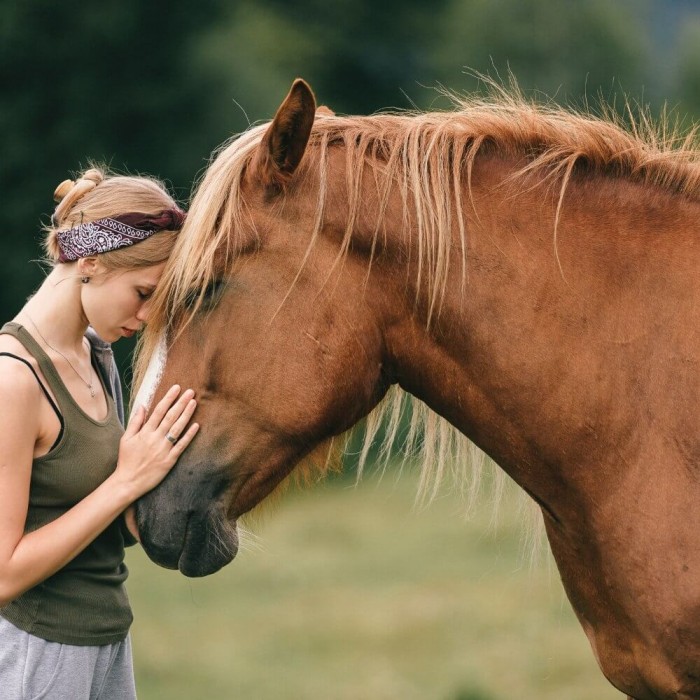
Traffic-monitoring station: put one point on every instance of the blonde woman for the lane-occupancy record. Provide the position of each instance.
(68, 470)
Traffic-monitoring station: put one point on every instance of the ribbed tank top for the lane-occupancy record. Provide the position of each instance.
(84, 603)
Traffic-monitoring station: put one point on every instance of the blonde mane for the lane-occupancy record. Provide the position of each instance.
(427, 156)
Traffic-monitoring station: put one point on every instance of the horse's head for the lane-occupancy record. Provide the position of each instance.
(284, 351)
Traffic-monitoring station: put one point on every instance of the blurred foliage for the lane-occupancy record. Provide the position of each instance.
(566, 48)
(689, 68)
(110, 82)
(154, 87)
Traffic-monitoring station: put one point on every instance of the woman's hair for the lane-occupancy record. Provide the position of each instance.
(97, 194)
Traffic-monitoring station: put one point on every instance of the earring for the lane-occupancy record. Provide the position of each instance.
(84, 280)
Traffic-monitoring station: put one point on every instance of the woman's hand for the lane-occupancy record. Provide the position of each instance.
(149, 449)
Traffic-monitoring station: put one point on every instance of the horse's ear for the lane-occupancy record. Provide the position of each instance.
(324, 111)
(284, 143)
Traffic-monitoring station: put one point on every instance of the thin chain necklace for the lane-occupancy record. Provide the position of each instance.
(89, 384)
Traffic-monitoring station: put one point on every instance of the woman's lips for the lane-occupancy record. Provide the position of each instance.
(127, 332)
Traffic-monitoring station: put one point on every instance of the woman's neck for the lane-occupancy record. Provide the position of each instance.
(55, 311)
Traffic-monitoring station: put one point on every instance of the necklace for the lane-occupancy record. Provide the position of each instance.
(89, 384)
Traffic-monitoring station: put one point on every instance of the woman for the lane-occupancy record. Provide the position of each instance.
(68, 471)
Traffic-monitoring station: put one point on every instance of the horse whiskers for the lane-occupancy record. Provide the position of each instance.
(249, 541)
(219, 527)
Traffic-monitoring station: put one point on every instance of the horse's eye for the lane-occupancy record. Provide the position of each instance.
(207, 299)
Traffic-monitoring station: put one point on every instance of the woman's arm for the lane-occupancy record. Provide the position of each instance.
(145, 457)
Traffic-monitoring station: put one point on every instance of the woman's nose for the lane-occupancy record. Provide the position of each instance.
(142, 313)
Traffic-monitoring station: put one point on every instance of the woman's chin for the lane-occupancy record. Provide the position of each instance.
(111, 336)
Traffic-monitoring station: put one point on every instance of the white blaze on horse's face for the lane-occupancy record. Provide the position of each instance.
(153, 375)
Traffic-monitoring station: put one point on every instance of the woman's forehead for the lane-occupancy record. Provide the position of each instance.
(146, 276)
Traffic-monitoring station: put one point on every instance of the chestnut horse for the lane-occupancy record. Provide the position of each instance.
(531, 275)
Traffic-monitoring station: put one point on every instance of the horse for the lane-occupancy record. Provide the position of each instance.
(526, 274)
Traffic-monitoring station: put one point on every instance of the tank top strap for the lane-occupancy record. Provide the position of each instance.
(48, 369)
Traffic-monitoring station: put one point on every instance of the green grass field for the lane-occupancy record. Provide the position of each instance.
(350, 593)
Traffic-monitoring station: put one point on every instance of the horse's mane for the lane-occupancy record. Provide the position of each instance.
(428, 156)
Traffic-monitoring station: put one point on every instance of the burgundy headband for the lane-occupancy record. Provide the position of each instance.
(103, 235)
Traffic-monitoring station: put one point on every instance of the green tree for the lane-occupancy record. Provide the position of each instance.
(107, 81)
(564, 49)
(358, 55)
(689, 68)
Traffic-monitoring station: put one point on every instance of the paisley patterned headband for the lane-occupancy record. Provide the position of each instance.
(103, 235)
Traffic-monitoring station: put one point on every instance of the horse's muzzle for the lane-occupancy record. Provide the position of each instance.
(184, 526)
(209, 545)
(196, 544)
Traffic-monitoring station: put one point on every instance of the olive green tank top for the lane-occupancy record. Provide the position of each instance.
(84, 603)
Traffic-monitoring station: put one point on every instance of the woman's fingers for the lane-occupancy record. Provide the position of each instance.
(169, 409)
(186, 439)
(178, 426)
(175, 412)
(135, 422)
(162, 407)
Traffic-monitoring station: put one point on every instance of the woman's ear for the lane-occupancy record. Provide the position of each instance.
(88, 267)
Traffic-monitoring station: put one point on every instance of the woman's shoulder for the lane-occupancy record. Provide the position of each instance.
(10, 344)
(12, 380)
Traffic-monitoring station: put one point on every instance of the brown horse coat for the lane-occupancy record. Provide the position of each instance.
(531, 275)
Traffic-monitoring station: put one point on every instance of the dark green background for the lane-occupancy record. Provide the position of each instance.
(154, 86)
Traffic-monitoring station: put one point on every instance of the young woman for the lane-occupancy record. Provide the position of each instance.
(68, 471)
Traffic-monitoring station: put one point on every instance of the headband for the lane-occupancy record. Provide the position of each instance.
(103, 235)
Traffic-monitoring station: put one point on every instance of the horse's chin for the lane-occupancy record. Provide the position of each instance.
(207, 548)
(198, 546)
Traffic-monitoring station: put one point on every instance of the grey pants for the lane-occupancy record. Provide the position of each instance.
(34, 669)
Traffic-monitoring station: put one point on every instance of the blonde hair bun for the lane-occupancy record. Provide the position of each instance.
(62, 190)
(70, 191)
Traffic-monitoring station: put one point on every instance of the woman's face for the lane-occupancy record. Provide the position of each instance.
(117, 302)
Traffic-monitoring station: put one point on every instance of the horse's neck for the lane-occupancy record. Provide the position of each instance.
(558, 351)
(579, 372)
